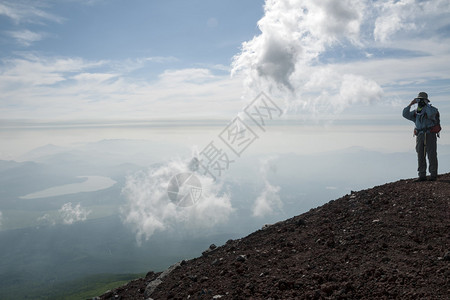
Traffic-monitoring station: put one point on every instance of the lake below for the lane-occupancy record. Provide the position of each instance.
(91, 184)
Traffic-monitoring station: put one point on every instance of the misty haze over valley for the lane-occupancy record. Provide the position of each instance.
(49, 240)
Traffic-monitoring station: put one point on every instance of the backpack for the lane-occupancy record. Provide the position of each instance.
(436, 128)
(437, 124)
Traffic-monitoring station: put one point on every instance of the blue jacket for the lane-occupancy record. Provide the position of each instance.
(424, 120)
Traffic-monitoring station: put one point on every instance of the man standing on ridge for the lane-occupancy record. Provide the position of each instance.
(426, 119)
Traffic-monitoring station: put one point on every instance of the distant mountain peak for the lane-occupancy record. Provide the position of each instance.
(42, 151)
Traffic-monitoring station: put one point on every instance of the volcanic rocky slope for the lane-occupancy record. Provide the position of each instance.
(391, 241)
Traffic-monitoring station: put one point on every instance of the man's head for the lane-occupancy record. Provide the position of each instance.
(423, 95)
(422, 100)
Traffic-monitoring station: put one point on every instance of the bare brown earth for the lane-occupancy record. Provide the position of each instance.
(388, 242)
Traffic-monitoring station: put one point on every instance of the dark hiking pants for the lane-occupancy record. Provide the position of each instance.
(426, 145)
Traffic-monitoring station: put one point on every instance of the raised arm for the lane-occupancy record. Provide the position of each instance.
(407, 113)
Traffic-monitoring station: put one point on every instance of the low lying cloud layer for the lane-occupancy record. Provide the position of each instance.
(268, 202)
(71, 214)
(68, 214)
(149, 209)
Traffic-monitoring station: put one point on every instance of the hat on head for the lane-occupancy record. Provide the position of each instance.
(423, 95)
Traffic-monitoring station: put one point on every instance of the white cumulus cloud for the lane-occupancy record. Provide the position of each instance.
(408, 18)
(293, 34)
(306, 49)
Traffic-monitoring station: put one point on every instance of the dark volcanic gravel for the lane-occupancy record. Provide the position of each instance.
(391, 241)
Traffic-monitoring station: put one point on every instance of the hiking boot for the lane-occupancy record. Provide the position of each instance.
(432, 178)
(420, 179)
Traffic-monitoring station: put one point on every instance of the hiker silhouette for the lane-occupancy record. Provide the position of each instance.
(427, 128)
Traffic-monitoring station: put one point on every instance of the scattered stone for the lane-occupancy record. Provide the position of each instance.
(265, 226)
(301, 222)
(211, 249)
(150, 274)
(241, 258)
(447, 256)
(155, 283)
(151, 287)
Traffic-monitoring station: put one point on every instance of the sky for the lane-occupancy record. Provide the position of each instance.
(341, 71)
(97, 60)
(121, 60)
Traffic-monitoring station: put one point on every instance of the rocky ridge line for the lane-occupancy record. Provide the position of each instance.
(391, 241)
